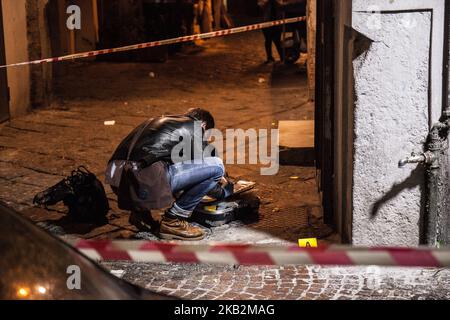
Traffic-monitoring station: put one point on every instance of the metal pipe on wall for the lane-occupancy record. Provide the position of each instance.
(437, 221)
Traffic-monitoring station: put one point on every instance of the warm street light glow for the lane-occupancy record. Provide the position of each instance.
(42, 290)
(23, 292)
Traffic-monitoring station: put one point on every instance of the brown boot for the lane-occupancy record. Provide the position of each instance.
(176, 229)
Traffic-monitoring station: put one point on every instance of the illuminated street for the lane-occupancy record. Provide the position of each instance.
(344, 102)
(50, 143)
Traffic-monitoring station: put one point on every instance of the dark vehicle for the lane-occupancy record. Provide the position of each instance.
(35, 265)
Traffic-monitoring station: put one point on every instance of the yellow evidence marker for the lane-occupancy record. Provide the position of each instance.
(307, 243)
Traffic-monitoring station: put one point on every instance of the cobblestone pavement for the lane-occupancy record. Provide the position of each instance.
(208, 282)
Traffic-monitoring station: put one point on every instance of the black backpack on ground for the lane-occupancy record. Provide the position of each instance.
(82, 193)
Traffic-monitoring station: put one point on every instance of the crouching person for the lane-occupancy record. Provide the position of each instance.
(145, 174)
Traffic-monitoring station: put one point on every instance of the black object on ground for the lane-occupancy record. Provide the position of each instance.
(82, 193)
(242, 207)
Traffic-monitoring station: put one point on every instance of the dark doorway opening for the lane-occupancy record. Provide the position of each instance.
(4, 93)
(324, 112)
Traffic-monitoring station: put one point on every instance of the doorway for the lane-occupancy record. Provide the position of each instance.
(324, 112)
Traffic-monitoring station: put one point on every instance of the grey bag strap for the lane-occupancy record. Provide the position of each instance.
(136, 138)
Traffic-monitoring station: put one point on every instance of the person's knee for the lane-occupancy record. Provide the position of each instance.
(218, 166)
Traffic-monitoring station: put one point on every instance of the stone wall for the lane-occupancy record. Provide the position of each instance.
(16, 50)
(39, 47)
(397, 57)
(27, 38)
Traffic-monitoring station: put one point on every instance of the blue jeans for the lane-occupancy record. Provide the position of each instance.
(195, 179)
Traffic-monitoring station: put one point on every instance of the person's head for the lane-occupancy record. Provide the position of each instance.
(202, 115)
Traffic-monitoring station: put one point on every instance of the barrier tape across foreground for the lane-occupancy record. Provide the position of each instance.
(245, 254)
(161, 42)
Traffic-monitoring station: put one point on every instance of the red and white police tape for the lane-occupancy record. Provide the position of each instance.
(247, 254)
(161, 42)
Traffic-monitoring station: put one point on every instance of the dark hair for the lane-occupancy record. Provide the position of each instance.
(202, 115)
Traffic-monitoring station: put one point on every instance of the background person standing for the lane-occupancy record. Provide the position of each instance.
(273, 34)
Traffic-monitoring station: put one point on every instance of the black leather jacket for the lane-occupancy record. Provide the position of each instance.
(158, 139)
